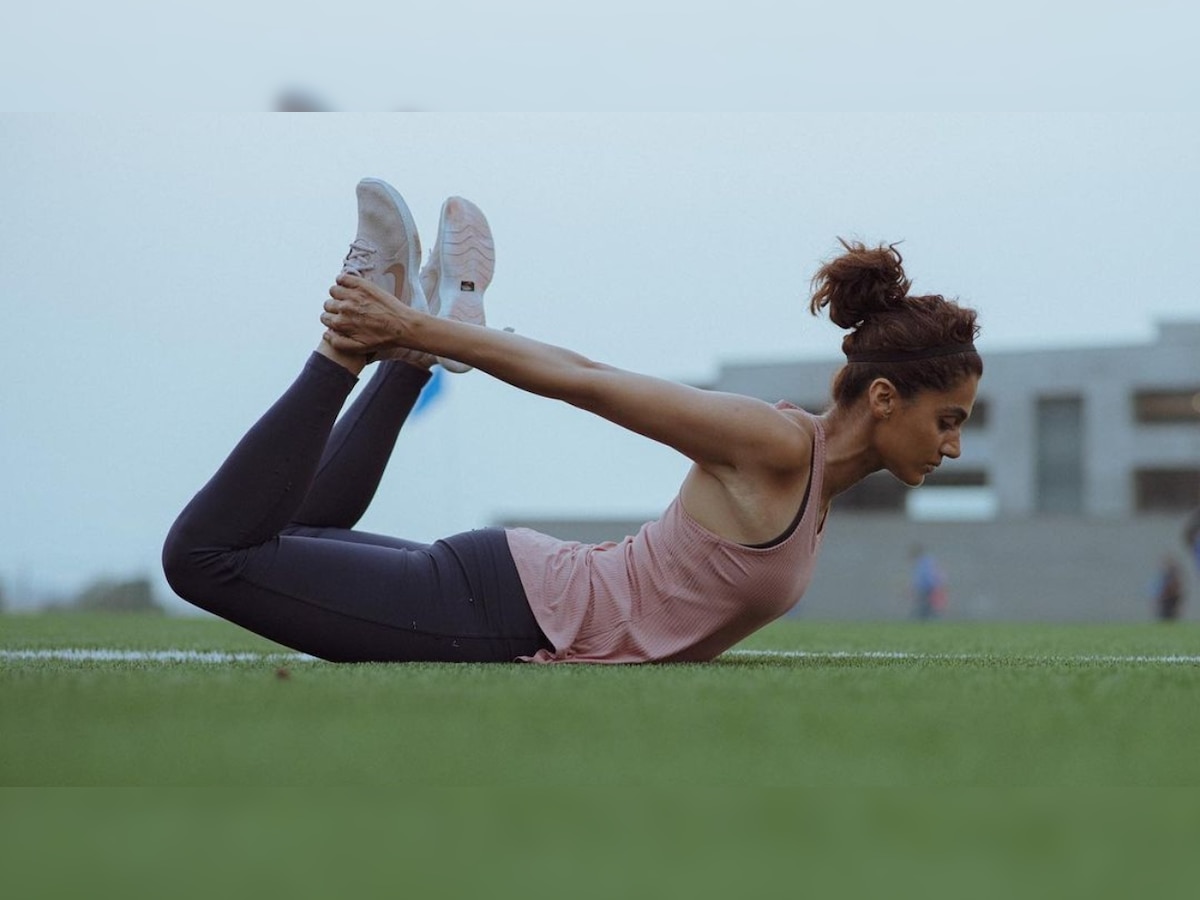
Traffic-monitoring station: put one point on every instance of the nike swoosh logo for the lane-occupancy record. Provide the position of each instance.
(396, 270)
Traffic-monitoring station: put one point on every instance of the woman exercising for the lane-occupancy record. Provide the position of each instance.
(269, 542)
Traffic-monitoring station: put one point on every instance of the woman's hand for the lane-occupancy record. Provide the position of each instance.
(363, 319)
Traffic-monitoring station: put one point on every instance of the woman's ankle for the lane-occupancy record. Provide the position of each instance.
(353, 363)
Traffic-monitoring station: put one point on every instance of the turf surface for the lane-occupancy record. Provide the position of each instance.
(969, 705)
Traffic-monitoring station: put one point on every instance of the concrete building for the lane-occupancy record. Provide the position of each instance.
(1078, 470)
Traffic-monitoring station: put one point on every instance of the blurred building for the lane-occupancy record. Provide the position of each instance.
(1079, 466)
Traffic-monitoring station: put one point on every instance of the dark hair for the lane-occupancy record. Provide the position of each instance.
(866, 292)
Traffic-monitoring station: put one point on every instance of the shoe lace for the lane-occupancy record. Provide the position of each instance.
(361, 258)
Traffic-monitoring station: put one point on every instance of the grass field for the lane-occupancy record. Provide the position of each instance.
(802, 703)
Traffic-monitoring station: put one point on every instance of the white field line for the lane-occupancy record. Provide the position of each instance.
(218, 657)
(163, 656)
(1169, 659)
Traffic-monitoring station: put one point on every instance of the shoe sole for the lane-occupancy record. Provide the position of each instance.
(466, 259)
(410, 281)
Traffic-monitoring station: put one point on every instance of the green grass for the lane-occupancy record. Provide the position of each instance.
(981, 705)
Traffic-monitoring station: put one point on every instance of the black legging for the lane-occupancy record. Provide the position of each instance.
(267, 543)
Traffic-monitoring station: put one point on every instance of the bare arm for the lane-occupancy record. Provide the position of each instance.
(715, 430)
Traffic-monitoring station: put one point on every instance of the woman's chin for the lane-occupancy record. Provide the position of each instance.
(911, 477)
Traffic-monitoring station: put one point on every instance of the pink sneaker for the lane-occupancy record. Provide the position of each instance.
(460, 267)
(387, 252)
(387, 248)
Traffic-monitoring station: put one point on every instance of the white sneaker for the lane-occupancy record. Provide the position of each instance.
(387, 248)
(461, 263)
(387, 252)
(429, 283)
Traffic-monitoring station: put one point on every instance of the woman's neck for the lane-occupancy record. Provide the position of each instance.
(849, 453)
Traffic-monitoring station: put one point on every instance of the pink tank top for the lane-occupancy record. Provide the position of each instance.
(674, 592)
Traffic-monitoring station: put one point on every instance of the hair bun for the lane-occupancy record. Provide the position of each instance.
(861, 283)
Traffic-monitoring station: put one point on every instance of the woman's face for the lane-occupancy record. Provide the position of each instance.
(921, 431)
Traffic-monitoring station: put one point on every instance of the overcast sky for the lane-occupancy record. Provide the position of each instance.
(163, 277)
(616, 55)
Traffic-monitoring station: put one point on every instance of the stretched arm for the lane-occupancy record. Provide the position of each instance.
(715, 430)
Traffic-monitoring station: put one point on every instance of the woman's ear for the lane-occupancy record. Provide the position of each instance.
(883, 398)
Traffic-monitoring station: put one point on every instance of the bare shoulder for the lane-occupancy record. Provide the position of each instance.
(752, 499)
(792, 440)
(806, 422)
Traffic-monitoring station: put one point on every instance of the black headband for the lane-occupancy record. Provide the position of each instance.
(898, 356)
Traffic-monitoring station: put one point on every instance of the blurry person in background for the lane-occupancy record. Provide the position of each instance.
(303, 100)
(1191, 537)
(1168, 591)
(927, 584)
(300, 100)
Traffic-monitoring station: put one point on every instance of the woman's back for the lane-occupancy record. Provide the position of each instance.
(675, 591)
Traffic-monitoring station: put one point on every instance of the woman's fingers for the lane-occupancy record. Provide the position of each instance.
(341, 342)
(341, 292)
(348, 286)
(356, 314)
(341, 306)
(336, 316)
(345, 317)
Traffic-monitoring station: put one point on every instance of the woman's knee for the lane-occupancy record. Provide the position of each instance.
(178, 561)
(194, 571)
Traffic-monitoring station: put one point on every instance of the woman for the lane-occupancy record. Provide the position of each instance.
(268, 542)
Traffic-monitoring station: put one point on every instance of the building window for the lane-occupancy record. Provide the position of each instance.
(1167, 406)
(1166, 490)
(961, 495)
(953, 478)
(1060, 455)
